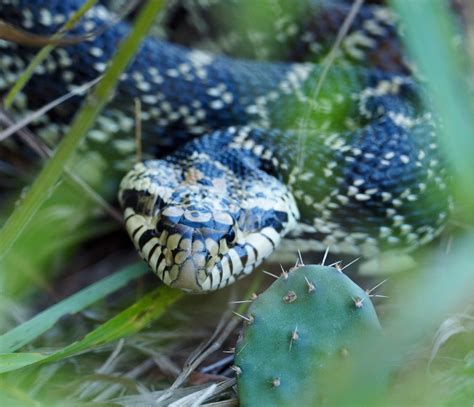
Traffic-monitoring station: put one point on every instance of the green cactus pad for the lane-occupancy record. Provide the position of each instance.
(305, 327)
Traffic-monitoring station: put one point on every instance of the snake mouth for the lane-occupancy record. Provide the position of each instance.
(193, 259)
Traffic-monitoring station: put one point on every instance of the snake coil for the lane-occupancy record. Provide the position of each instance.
(236, 168)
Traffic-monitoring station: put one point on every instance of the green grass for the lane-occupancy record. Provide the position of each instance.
(40, 323)
(131, 320)
(119, 339)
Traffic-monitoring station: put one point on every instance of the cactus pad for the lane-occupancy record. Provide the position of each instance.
(304, 327)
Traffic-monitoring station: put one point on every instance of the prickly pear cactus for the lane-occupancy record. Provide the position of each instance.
(304, 328)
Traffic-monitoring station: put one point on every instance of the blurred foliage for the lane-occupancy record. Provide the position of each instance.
(431, 33)
(428, 318)
(67, 218)
(30, 330)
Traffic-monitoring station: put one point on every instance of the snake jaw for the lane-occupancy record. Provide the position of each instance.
(181, 255)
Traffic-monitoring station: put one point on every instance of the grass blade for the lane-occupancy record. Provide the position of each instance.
(30, 330)
(128, 322)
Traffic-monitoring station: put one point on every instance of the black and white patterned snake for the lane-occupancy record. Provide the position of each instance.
(246, 151)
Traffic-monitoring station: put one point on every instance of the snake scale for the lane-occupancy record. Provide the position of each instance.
(245, 153)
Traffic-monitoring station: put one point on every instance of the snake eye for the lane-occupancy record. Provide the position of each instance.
(230, 237)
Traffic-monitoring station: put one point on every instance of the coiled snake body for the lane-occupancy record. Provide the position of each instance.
(256, 154)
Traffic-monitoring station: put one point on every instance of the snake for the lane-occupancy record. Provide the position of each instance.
(243, 153)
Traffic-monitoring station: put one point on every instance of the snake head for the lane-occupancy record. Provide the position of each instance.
(197, 236)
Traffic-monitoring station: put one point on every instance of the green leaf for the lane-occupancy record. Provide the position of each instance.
(128, 322)
(30, 330)
(13, 361)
